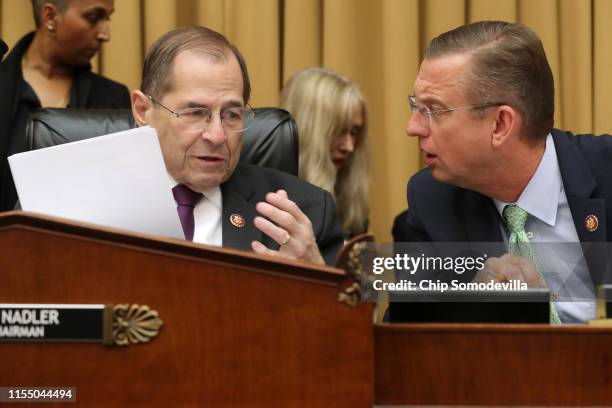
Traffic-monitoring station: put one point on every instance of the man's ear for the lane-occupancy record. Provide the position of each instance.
(140, 107)
(507, 122)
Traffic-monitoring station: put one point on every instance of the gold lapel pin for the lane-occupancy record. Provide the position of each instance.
(591, 223)
(237, 220)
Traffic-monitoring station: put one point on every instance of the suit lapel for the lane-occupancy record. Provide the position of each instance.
(579, 185)
(582, 208)
(238, 199)
(477, 208)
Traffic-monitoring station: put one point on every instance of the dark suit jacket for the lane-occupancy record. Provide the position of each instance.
(442, 212)
(90, 91)
(249, 184)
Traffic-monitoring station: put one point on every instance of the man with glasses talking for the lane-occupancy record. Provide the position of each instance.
(497, 171)
(195, 91)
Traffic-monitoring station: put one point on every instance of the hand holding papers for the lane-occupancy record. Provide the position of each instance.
(118, 180)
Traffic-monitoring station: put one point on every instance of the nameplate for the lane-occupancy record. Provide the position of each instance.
(52, 322)
(121, 324)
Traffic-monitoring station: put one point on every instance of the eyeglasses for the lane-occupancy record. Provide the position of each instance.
(236, 119)
(426, 113)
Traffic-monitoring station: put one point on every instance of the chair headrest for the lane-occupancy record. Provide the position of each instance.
(271, 141)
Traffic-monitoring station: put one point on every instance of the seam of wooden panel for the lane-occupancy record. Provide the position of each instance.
(463, 328)
(188, 252)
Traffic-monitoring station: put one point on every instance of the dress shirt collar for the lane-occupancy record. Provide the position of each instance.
(213, 193)
(541, 195)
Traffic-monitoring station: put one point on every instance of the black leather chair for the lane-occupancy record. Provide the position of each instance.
(271, 141)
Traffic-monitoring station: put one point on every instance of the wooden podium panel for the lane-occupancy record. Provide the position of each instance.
(475, 364)
(239, 329)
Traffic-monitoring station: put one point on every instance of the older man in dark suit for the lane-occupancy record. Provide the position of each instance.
(195, 91)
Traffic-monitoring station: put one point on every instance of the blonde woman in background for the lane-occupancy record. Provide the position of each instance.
(330, 113)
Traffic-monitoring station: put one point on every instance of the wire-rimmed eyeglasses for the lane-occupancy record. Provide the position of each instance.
(235, 119)
(427, 113)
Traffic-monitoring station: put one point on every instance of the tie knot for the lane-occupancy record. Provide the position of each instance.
(515, 217)
(186, 196)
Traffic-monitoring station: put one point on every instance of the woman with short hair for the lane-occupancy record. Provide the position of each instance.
(49, 68)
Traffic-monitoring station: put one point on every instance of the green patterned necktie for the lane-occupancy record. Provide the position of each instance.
(518, 244)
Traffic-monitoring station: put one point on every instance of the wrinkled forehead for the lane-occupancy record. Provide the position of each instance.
(442, 78)
(197, 59)
(201, 76)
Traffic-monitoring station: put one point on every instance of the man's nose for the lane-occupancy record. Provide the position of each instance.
(416, 126)
(214, 131)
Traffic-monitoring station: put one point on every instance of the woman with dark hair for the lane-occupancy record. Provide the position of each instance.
(50, 68)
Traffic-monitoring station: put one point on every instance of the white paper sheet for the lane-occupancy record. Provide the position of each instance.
(118, 180)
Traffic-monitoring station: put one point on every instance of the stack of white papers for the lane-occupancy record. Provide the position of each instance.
(118, 180)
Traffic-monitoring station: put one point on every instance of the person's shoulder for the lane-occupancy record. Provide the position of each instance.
(263, 180)
(108, 83)
(273, 178)
(585, 142)
(104, 92)
(423, 187)
(12, 59)
(429, 202)
(596, 150)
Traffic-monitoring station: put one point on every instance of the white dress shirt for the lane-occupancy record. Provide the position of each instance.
(550, 228)
(207, 217)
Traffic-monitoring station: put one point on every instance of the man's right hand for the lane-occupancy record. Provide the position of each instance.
(510, 267)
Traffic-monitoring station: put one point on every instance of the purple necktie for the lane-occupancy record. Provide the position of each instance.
(186, 199)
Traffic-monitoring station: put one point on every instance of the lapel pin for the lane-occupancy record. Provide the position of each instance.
(237, 220)
(591, 223)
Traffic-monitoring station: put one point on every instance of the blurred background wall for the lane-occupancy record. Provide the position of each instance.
(376, 43)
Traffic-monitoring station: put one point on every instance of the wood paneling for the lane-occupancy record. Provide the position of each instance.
(491, 365)
(239, 329)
